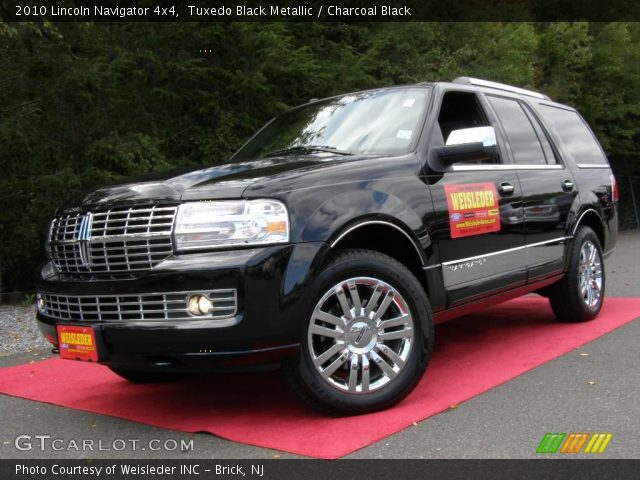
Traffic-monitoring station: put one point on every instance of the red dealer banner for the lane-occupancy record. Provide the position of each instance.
(473, 209)
(77, 343)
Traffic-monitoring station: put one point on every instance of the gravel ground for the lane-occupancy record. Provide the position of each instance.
(18, 330)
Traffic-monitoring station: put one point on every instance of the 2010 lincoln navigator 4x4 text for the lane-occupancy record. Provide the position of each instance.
(335, 238)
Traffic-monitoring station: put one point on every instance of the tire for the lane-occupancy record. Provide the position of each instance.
(144, 376)
(378, 363)
(579, 295)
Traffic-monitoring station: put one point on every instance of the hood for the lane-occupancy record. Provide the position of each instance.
(228, 180)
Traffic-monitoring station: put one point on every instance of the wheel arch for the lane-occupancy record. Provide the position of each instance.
(591, 218)
(384, 236)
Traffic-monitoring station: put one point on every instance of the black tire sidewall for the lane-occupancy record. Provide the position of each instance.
(566, 298)
(586, 234)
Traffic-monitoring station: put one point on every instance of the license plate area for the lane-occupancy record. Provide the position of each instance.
(78, 343)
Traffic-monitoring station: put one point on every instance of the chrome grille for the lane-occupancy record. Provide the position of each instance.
(66, 257)
(113, 241)
(65, 228)
(131, 255)
(133, 221)
(147, 306)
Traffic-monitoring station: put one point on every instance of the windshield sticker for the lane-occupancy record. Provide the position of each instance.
(404, 134)
(409, 102)
(473, 209)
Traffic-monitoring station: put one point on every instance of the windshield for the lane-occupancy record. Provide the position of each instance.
(375, 122)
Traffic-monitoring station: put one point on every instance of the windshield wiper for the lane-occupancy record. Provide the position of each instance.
(307, 148)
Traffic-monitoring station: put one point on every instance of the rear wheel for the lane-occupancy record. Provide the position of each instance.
(579, 295)
(368, 336)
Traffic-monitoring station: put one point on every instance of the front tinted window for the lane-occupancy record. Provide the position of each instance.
(574, 133)
(460, 111)
(377, 122)
(523, 140)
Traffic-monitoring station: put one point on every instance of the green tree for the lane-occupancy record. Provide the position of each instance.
(83, 105)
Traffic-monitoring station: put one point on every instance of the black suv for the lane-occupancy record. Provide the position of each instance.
(335, 238)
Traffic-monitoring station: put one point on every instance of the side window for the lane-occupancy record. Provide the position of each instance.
(521, 134)
(576, 136)
(549, 151)
(461, 110)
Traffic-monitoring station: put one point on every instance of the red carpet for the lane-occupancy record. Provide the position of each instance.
(472, 355)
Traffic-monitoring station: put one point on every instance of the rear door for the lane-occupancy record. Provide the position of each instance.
(548, 187)
(478, 208)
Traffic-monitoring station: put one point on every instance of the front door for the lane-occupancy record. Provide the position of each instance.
(478, 206)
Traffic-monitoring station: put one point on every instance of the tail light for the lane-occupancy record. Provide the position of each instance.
(614, 189)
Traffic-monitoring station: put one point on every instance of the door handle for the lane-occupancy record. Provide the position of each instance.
(505, 188)
(567, 185)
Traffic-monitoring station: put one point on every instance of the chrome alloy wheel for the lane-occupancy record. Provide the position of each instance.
(590, 274)
(360, 335)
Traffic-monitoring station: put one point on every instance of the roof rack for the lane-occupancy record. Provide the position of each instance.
(500, 86)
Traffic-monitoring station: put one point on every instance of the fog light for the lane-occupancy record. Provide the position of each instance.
(192, 303)
(199, 305)
(204, 304)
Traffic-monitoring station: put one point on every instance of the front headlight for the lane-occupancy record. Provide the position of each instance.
(202, 225)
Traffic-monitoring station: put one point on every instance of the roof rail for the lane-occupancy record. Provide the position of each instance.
(500, 86)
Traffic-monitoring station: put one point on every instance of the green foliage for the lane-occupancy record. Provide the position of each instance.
(83, 105)
(29, 299)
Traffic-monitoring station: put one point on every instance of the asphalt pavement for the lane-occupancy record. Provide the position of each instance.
(596, 392)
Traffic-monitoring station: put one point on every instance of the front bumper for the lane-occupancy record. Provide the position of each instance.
(272, 291)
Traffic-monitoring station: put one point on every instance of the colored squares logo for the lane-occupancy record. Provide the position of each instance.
(574, 443)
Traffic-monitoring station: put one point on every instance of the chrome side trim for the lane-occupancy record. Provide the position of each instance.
(476, 257)
(378, 222)
(508, 250)
(491, 265)
(554, 240)
(593, 165)
(498, 166)
(429, 267)
(575, 227)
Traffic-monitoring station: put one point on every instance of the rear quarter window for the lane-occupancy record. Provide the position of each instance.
(576, 136)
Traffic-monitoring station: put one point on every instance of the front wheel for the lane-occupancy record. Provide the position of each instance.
(368, 336)
(579, 295)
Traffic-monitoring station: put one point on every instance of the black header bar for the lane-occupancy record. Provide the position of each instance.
(318, 10)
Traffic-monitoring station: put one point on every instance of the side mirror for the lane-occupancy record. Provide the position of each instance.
(468, 145)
